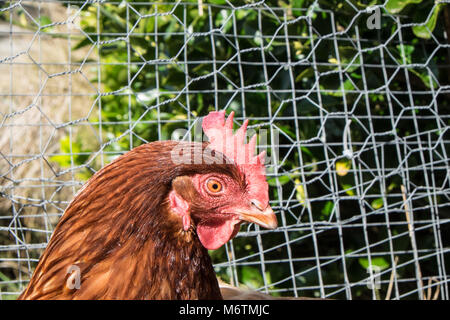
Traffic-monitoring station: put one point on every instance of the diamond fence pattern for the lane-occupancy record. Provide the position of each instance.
(359, 120)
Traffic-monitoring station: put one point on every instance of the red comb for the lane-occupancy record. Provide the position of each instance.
(221, 138)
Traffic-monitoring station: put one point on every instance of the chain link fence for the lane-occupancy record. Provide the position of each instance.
(355, 100)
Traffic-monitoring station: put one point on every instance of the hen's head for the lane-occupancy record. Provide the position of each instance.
(217, 202)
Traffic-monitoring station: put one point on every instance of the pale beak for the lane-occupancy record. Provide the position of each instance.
(265, 218)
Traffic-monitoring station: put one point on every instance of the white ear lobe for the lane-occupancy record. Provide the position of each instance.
(180, 207)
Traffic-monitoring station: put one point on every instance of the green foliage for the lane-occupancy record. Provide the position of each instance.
(327, 210)
(396, 6)
(74, 149)
(8, 285)
(377, 203)
(426, 30)
(379, 262)
(73, 154)
(428, 17)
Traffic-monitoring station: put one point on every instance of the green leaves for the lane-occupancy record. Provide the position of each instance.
(70, 152)
(300, 194)
(376, 261)
(395, 6)
(327, 210)
(252, 278)
(297, 4)
(422, 31)
(73, 154)
(406, 57)
(342, 167)
(426, 30)
(44, 20)
(377, 203)
(9, 285)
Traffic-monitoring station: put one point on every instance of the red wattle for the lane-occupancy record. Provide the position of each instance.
(214, 233)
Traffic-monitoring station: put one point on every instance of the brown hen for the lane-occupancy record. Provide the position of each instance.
(140, 228)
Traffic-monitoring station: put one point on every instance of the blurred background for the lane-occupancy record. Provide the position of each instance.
(354, 96)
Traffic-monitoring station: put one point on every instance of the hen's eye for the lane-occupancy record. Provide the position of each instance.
(213, 185)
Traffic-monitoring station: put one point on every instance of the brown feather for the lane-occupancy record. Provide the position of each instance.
(121, 234)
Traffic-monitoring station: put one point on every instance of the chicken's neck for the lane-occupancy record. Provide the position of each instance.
(168, 263)
(153, 259)
(175, 265)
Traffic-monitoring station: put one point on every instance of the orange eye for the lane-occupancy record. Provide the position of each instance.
(213, 185)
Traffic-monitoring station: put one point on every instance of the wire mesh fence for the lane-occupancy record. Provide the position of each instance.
(355, 100)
